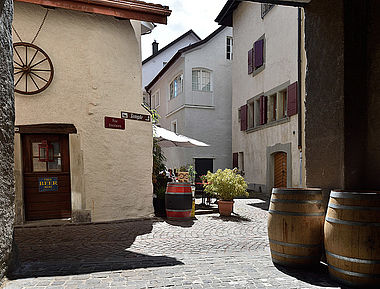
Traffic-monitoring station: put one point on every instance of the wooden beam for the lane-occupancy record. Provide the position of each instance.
(48, 128)
(125, 9)
(296, 3)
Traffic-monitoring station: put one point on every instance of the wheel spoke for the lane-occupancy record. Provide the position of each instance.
(26, 82)
(30, 63)
(17, 64)
(39, 62)
(40, 69)
(20, 78)
(18, 72)
(26, 54)
(39, 77)
(31, 77)
(19, 57)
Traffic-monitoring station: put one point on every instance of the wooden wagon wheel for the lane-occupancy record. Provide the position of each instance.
(33, 69)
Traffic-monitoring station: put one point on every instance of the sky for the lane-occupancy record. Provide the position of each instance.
(198, 15)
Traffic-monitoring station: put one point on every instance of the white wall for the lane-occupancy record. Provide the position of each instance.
(205, 116)
(280, 29)
(151, 68)
(97, 66)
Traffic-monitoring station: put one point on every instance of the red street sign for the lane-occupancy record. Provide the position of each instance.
(113, 122)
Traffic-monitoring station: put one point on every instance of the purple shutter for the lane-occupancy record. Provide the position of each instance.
(243, 118)
(259, 53)
(292, 99)
(235, 158)
(250, 61)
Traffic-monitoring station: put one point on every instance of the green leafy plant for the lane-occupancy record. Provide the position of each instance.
(226, 185)
(192, 173)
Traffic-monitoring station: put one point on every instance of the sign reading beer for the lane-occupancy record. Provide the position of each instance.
(135, 116)
(48, 184)
(113, 122)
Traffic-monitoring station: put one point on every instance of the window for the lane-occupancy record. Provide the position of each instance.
(256, 56)
(251, 114)
(241, 162)
(155, 99)
(176, 86)
(282, 99)
(265, 8)
(272, 107)
(229, 47)
(201, 79)
(174, 127)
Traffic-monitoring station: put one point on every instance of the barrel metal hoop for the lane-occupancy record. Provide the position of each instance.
(343, 222)
(171, 210)
(353, 260)
(293, 256)
(356, 274)
(296, 201)
(354, 195)
(297, 193)
(171, 193)
(295, 245)
(296, 214)
(358, 208)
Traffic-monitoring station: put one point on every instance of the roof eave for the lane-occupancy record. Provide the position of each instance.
(121, 9)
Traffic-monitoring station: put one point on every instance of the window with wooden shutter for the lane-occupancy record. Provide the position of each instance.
(292, 99)
(235, 160)
(250, 61)
(259, 53)
(243, 118)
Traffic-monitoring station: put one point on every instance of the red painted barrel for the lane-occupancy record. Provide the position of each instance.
(178, 200)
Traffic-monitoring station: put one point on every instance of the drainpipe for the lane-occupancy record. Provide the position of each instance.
(299, 91)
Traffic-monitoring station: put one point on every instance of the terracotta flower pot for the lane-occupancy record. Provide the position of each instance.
(225, 207)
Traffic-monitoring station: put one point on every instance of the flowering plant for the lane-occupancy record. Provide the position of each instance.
(226, 184)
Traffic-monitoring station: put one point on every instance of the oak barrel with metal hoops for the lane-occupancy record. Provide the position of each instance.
(352, 237)
(178, 200)
(295, 226)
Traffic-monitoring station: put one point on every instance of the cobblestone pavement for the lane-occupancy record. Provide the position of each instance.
(207, 252)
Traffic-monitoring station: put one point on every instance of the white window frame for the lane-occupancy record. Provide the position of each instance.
(156, 99)
(178, 77)
(201, 71)
(174, 126)
(229, 54)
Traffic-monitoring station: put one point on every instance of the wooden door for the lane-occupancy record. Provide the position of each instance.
(46, 165)
(280, 170)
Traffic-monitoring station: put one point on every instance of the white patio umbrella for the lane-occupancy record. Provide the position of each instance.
(167, 138)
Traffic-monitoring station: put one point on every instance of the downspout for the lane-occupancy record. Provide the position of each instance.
(299, 91)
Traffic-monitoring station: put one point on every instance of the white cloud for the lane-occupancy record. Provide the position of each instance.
(198, 15)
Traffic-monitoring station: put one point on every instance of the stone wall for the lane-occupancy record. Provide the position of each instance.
(324, 119)
(6, 135)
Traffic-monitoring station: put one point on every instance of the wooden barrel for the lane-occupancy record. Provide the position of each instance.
(295, 226)
(178, 200)
(352, 237)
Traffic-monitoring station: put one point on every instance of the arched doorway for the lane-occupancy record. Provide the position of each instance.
(280, 170)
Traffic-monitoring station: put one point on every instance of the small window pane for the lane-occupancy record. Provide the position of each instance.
(206, 85)
(56, 165)
(39, 166)
(35, 148)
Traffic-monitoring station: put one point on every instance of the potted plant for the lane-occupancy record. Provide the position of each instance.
(159, 180)
(226, 185)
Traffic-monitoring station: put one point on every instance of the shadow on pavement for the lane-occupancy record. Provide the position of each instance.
(233, 218)
(317, 276)
(185, 223)
(79, 249)
(263, 206)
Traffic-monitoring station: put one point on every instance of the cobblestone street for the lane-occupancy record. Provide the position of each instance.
(207, 252)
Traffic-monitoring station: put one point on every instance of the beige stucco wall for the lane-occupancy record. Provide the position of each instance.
(280, 29)
(97, 64)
